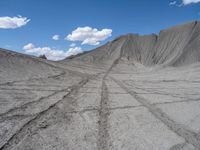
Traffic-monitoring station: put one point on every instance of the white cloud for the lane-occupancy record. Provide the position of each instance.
(74, 51)
(187, 2)
(56, 37)
(172, 3)
(184, 3)
(13, 22)
(88, 35)
(51, 54)
(28, 46)
(73, 45)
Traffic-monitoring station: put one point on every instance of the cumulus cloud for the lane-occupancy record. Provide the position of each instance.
(73, 45)
(187, 2)
(172, 3)
(13, 22)
(56, 37)
(88, 35)
(74, 51)
(28, 46)
(51, 54)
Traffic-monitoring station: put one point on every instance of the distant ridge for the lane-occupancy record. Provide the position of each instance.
(176, 46)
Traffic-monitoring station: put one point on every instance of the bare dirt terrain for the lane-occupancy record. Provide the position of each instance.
(134, 93)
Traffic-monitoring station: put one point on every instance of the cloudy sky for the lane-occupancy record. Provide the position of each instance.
(60, 28)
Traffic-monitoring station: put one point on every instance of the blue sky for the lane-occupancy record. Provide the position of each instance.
(61, 17)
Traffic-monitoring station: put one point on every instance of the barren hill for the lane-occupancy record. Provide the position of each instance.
(135, 92)
(175, 46)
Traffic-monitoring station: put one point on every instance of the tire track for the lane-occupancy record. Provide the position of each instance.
(188, 135)
(103, 134)
(18, 111)
(178, 146)
(32, 79)
(32, 125)
(104, 112)
(103, 142)
(27, 106)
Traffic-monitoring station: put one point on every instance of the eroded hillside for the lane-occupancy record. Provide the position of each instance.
(136, 92)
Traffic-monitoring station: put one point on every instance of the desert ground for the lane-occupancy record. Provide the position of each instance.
(134, 93)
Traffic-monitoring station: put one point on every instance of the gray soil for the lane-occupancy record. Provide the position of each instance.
(133, 93)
